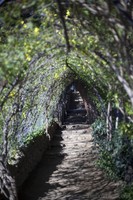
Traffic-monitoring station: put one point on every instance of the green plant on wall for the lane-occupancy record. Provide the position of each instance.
(44, 48)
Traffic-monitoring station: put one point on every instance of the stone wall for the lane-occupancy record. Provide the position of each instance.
(31, 155)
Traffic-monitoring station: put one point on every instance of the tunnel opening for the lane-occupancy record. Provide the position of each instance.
(75, 99)
(67, 170)
(76, 112)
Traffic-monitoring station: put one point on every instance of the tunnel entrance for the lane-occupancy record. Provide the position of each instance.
(76, 112)
(75, 105)
(67, 170)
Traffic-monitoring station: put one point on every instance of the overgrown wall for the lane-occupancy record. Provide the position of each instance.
(31, 155)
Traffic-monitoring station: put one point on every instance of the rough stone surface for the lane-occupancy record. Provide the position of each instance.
(31, 155)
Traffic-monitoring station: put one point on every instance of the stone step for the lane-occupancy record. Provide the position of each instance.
(77, 111)
(77, 119)
(67, 170)
(77, 126)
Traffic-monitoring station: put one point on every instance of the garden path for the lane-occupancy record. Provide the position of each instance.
(68, 169)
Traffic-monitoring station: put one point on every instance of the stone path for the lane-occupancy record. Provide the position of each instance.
(67, 170)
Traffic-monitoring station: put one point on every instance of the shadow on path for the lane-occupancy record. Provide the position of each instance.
(37, 184)
(68, 170)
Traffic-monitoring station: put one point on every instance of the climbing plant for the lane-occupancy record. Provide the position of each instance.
(45, 45)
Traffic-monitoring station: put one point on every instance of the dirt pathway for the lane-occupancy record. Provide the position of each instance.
(68, 171)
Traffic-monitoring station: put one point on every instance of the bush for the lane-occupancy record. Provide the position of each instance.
(127, 193)
(115, 154)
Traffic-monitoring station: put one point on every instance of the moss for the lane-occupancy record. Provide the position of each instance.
(15, 152)
(127, 193)
(32, 136)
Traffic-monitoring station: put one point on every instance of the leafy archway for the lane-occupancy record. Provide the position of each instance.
(46, 45)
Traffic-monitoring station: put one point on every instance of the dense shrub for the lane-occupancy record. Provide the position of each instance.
(127, 193)
(115, 153)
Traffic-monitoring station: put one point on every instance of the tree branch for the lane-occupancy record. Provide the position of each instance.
(64, 25)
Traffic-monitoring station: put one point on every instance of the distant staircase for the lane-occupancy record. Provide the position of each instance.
(76, 113)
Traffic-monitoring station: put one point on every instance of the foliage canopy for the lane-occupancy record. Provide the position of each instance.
(47, 44)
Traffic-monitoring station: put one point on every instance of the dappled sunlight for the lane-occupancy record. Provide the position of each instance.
(66, 65)
(76, 175)
(68, 169)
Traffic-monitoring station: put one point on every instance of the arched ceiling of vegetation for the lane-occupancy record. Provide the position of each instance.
(97, 35)
(45, 45)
